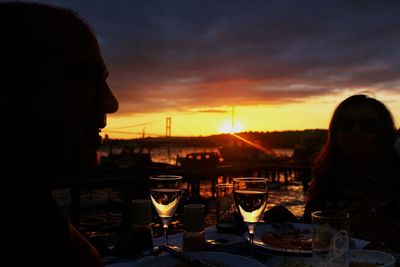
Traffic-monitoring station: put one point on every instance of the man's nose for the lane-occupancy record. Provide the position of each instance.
(107, 101)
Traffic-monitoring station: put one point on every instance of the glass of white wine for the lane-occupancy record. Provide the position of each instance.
(165, 193)
(251, 194)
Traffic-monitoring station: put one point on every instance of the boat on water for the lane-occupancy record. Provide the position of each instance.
(198, 160)
(130, 157)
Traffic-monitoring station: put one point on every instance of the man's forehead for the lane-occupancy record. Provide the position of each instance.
(77, 46)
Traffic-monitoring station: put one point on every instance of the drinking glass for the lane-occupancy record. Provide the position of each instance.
(165, 193)
(250, 195)
(331, 238)
(226, 209)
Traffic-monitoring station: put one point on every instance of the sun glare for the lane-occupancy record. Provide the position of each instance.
(227, 127)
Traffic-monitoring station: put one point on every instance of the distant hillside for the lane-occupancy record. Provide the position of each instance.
(276, 139)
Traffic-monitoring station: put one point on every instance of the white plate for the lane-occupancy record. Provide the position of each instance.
(262, 229)
(266, 229)
(379, 258)
(225, 259)
(223, 242)
(278, 261)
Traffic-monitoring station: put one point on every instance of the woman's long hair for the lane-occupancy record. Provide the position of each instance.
(329, 160)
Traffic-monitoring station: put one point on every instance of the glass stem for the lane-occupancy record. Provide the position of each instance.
(251, 232)
(166, 234)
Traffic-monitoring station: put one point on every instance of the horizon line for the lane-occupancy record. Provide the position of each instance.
(211, 135)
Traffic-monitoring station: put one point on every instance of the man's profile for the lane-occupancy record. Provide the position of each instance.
(54, 103)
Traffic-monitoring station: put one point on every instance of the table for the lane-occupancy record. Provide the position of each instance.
(235, 246)
(239, 246)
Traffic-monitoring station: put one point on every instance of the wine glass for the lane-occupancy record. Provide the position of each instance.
(250, 195)
(165, 193)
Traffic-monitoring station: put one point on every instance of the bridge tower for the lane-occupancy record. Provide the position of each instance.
(168, 127)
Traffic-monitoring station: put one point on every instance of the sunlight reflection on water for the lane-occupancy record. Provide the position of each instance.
(290, 196)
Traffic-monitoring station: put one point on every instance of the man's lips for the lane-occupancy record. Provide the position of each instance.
(102, 122)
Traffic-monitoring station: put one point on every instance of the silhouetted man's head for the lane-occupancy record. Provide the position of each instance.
(53, 84)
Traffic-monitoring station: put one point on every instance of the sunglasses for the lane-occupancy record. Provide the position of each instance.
(366, 125)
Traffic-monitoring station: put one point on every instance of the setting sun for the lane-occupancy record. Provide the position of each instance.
(227, 127)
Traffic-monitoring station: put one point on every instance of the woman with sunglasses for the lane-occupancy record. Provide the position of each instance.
(358, 170)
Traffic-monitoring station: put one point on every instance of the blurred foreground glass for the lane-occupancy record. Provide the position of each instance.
(226, 209)
(250, 194)
(166, 193)
(141, 225)
(193, 226)
(330, 239)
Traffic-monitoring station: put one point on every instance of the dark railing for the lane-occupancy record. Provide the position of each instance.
(134, 184)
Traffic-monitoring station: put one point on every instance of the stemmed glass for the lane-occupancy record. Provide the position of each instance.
(165, 193)
(250, 195)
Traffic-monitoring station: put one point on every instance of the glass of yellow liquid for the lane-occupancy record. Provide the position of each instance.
(250, 194)
(165, 194)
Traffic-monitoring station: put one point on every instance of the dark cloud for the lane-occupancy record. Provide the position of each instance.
(188, 53)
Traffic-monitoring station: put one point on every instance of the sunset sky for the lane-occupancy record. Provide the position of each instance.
(282, 64)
